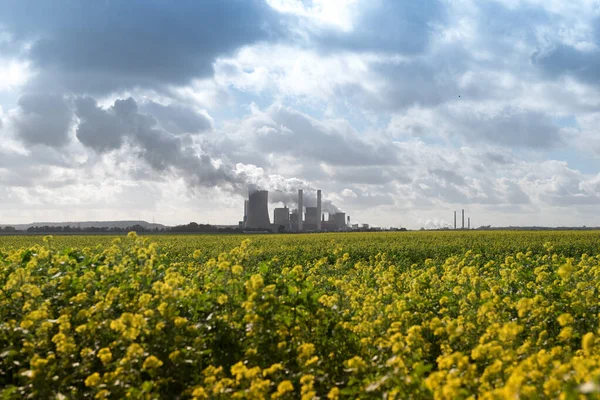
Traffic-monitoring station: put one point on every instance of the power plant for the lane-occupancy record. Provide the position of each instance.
(468, 227)
(302, 219)
(257, 210)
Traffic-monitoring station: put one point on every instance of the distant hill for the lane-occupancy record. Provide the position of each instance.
(89, 224)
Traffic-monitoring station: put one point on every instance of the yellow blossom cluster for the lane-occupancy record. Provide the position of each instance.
(395, 316)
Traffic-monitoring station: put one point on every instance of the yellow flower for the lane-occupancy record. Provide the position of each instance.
(93, 380)
(26, 324)
(565, 319)
(334, 394)
(356, 363)
(222, 299)
(86, 351)
(255, 282)
(237, 269)
(566, 333)
(152, 362)
(307, 392)
(306, 350)
(134, 351)
(587, 343)
(38, 362)
(273, 369)
(174, 355)
(129, 325)
(103, 394)
(200, 393)
(105, 355)
(180, 321)
(283, 388)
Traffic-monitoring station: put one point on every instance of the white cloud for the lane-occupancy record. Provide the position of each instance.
(399, 112)
(13, 74)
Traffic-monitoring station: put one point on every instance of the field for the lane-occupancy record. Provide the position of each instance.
(445, 315)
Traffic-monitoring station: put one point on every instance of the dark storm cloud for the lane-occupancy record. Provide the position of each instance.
(99, 46)
(178, 118)
(388, 26)
(104, 130)
(43, 119)
(108, 129)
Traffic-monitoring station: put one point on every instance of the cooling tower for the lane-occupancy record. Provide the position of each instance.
(318, 210)
(300, 209)
(258, 210)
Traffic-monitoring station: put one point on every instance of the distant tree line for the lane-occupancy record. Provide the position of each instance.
(201, 228)
(90, 229)
(192, 227)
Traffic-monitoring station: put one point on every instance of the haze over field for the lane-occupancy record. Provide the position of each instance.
(400, 111)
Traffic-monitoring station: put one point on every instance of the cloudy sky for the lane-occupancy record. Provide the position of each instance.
(400, 111)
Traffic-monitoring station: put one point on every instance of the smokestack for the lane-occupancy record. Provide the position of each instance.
(318, 210)
(300, 210)
(469, 220)
(463, 218)
(348, 221)
(454, 220)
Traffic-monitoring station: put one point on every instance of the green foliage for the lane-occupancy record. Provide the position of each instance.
(444, 315)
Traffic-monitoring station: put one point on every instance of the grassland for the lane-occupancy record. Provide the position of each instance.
(396, 315)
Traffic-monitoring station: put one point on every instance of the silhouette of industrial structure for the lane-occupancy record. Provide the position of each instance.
(463, 220)
(301, 219)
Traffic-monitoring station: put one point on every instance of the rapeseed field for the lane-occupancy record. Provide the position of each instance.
(453, 315)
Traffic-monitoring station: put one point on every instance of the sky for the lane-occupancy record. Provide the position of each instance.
(399, 111)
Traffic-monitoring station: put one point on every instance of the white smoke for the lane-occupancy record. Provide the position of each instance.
(107, 129)
(282, 190)
(436, 223)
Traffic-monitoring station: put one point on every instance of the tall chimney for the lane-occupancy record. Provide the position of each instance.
(245, 212)
(469, 220)
(454, 220)
(318, 210)
(300, 210)
(463, 218)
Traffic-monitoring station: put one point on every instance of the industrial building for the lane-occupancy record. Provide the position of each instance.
(302, 219)
(257, 210)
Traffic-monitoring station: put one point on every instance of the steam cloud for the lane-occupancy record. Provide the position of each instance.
(104, 130)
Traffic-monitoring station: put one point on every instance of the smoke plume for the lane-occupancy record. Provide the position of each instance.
(104, 130)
